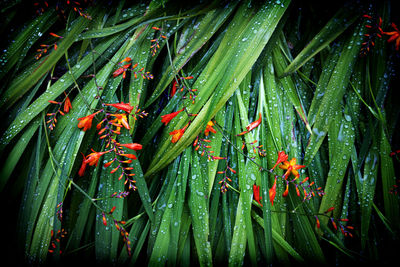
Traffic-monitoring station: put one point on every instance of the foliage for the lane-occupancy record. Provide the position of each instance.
(235, 133)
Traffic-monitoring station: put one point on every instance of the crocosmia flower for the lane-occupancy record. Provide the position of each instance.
(252, 125)
(177, 134)
(93, 158)
(86, 122)
(272, 193)
(173, 90)
(168, 117)
(82, 169)
(133, 146)
(256, 194)
(121, 119)
(122, 106)
(209, 128)
(67, 104)
(291, 167)
(395, 36)
(281, 158)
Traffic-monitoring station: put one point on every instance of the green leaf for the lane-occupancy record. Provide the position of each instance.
(333, 28)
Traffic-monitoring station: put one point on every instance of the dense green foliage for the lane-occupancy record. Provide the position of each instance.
(316, 83)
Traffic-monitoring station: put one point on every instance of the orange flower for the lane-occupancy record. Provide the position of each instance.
(93, 158)
(256, 193)
(55, 35)
(209, 128)
(252, 125)
(329, 210)
(272, 193)
(317, 221)
(122, 70)
(173, 90)
(67, 104)
(122, 106)
(217, 158)
(177, 134)
(130, 156)
(81, 171)
(133, 146)
(291, 167)
(395, 35)
(120, 119)
(86, 122)
(168, 117)
(281, 158)
(286, 191)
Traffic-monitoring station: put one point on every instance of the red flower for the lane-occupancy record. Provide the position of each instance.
(252, 125)
(395, 35)
(93, 158)
(130, 156)
(329, 210)
(121, 120)
(81, 171)
(177, 134)
(173, 90)
(281, 158)
(272, 193)
(86, 122)
(209, 128)
(123, 68)
(286, 191)
(256, 193)
(168, 117)
(133, 146)
(317, 221)
(291, 167)
(67, 104)
(122, 106)
(55, 35)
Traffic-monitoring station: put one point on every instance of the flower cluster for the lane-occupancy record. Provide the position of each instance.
(292, 168)
(394, 36)
(51, 122)
(345, 229)
(374, 30)
(226, 178)
(374, 25)
(127, 66)
(108, 128)
(257, 149)
(119, 225)
(46, 47)
(156, 41)
(56, 240)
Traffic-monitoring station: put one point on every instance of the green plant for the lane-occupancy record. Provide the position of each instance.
(198, 111)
